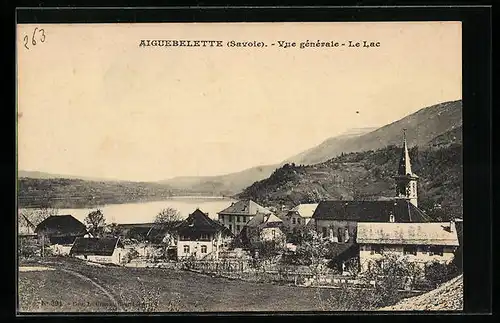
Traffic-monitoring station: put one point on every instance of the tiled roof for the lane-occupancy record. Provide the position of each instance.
(199, 221)
(305, 210)
(370, 211)
(262, 220)
(244, 207)
(61, 225)
(95, 246)
(431, 233)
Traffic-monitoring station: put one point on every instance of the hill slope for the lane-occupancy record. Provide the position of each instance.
(368, 176)
(447, 297)
(223, 184)
(422, 127)
(77, 193)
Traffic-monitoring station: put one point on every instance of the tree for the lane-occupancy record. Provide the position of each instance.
(95, 222)
(113, 230)
(168, 218)
(314, 249)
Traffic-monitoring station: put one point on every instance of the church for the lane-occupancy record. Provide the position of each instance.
(367, 228)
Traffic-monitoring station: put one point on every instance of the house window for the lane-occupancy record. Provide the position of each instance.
(436, 250)
(221, 218)
(237, 228)
(410, 250)
(340, 233)
(186, 249)
(203, 249)
(376, 250)
(298, 221)
(325, 232)
(231, 227)
(274, 233)
(293, 220)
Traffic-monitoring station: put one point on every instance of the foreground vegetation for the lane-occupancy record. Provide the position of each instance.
(147, 289)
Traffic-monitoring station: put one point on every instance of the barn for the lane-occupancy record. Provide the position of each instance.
(101, 250)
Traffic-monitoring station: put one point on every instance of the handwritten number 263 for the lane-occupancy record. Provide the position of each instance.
(41, 36)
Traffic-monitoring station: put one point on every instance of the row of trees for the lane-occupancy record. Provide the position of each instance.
(96, 223)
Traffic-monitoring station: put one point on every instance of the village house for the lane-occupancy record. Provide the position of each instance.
(200, 237)
(58, 232)
(264, 227)
(100, 250)
(420, 243)
(238, 214)
(300, 215)
(150, 240)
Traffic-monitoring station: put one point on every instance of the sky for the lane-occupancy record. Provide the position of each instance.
(93, 103)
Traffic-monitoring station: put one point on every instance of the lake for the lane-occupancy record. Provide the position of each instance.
(145, 212)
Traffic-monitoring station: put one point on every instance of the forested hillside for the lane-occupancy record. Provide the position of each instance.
(368, 176)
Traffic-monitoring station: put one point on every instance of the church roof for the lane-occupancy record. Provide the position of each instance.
(370, 211)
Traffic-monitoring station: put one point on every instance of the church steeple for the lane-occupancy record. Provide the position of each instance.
(406, 180)
(404, 162)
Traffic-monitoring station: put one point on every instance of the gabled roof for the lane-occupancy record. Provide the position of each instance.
(244, 207)
(370, 211)
(199, 221)
(262, 220)
(431, 233)
(61, 225)
(305, 210)
(95, 246)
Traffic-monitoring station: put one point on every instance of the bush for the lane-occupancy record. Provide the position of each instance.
(437, 273)
(132, 254)
(28, 248)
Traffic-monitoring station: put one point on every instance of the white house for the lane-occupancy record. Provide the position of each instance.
(200, 237)
(101, 250)
(238, 214)
(420, 243)
(264, 227)
(300, 215)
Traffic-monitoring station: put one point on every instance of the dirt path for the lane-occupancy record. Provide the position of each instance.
(113, 300)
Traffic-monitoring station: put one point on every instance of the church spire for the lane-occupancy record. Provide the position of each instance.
(406, 180)
(404, 162)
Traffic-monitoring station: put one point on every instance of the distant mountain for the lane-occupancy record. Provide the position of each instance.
(234, 183)
(229, 184)
(44, 175)
(316, 154)
(422, 127)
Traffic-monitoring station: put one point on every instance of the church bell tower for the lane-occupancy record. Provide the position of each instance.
(406, 180)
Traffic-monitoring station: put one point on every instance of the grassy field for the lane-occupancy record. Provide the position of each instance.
(75, 286)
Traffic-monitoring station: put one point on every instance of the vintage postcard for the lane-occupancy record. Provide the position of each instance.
(239, 167)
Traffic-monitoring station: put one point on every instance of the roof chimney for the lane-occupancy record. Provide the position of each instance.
(452, 224)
